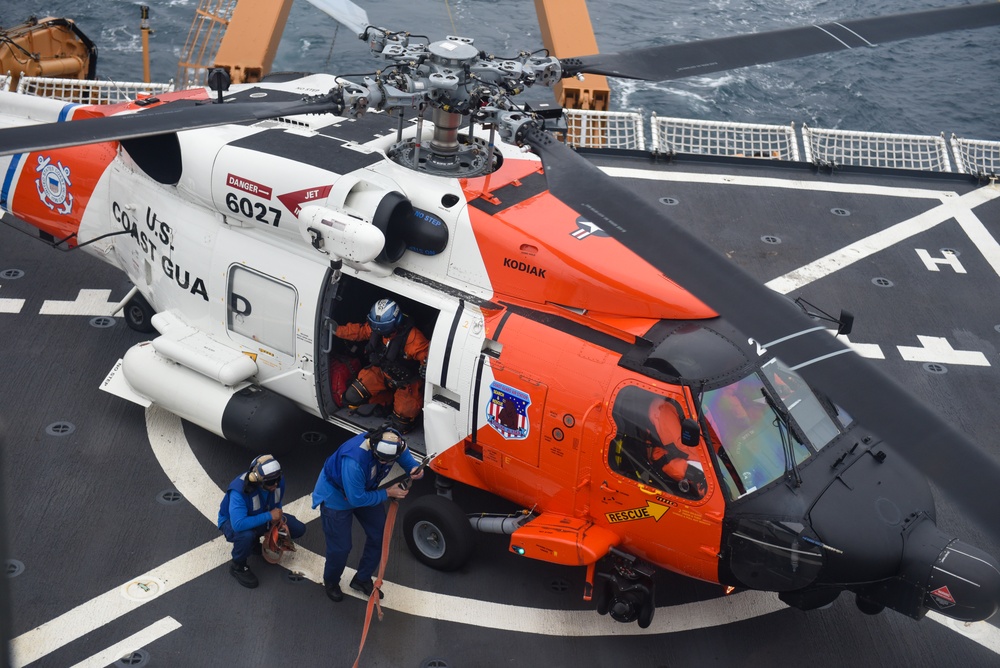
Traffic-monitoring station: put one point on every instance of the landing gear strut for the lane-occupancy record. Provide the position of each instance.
(628, 592)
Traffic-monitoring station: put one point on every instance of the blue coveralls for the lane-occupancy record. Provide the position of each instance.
(346, 488)
(243, 517)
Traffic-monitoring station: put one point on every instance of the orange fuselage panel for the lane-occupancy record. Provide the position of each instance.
(558, 461)
(540, 251)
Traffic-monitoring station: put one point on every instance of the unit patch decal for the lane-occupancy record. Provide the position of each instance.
(53, 186)
(507, 411)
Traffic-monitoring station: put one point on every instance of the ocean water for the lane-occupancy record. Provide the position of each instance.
(946, 83)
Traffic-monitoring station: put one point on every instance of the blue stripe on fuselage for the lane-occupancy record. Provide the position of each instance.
(9, 178)
(65, 111)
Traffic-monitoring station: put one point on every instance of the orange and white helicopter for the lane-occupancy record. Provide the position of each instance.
(579, 365)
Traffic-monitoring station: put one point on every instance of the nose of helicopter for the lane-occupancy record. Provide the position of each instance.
(879, 520)
(961, 581)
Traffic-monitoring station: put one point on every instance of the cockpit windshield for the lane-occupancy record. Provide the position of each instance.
(765, 424)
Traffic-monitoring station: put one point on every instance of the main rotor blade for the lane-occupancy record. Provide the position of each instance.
(676, 61)
(962, 469)
(172, 117)
(344, 12)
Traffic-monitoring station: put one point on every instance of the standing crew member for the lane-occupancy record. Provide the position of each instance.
(348, 487)
(397, 358)
(252, 500)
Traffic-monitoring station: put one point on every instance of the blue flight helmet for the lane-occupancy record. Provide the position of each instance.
(385, 316)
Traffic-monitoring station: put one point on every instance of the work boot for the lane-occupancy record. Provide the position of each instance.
(403, 425)
(243, 574)
(333, 591)
(365, 587)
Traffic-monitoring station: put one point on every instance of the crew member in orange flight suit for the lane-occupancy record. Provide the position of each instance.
(667, 455)
(397, 360)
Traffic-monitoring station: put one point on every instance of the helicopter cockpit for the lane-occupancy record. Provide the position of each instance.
(765, 425)
(760, 419)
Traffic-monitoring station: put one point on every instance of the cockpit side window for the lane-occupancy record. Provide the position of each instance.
(647, 444)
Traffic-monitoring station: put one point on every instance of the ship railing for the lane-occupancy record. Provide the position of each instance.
(83, 91)
(604, 129)
(668, 135)
(976, 156)
(875, 149)
(685, 135)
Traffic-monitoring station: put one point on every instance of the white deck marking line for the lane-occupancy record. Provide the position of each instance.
(764, 182)
(983, 633)
(11, 305)
(134, 642)
(87, 302)
(859, 250)
(173, 452)
(981, 237)
(539, 621)
(109, 606)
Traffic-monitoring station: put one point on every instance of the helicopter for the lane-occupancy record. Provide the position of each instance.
(647, 403)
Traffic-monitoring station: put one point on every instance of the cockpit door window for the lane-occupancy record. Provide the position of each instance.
(647, 444)
(262, 309)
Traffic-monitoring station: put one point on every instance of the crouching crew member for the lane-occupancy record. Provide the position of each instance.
(397, 358)
(252, 500)
(348, 487)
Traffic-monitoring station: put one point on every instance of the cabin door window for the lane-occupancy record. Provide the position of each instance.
(262, 309)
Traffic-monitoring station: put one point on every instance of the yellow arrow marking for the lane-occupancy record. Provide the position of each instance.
(252, 356)
(653, 510)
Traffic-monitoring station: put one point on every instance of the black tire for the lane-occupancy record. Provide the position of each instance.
(438, 533)
(139, 314)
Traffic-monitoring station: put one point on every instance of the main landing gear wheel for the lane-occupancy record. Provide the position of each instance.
(438, 533)
(139, 314)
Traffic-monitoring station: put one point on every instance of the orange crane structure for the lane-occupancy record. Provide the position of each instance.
(568, 32)
(48, 47)
(240, 36)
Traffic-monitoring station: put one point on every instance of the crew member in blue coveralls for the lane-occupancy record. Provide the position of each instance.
(252, 500)
(348, 487)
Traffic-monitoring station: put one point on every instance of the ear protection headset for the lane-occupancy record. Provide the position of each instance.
(389, 444)
(263, 468)
(690, 432)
